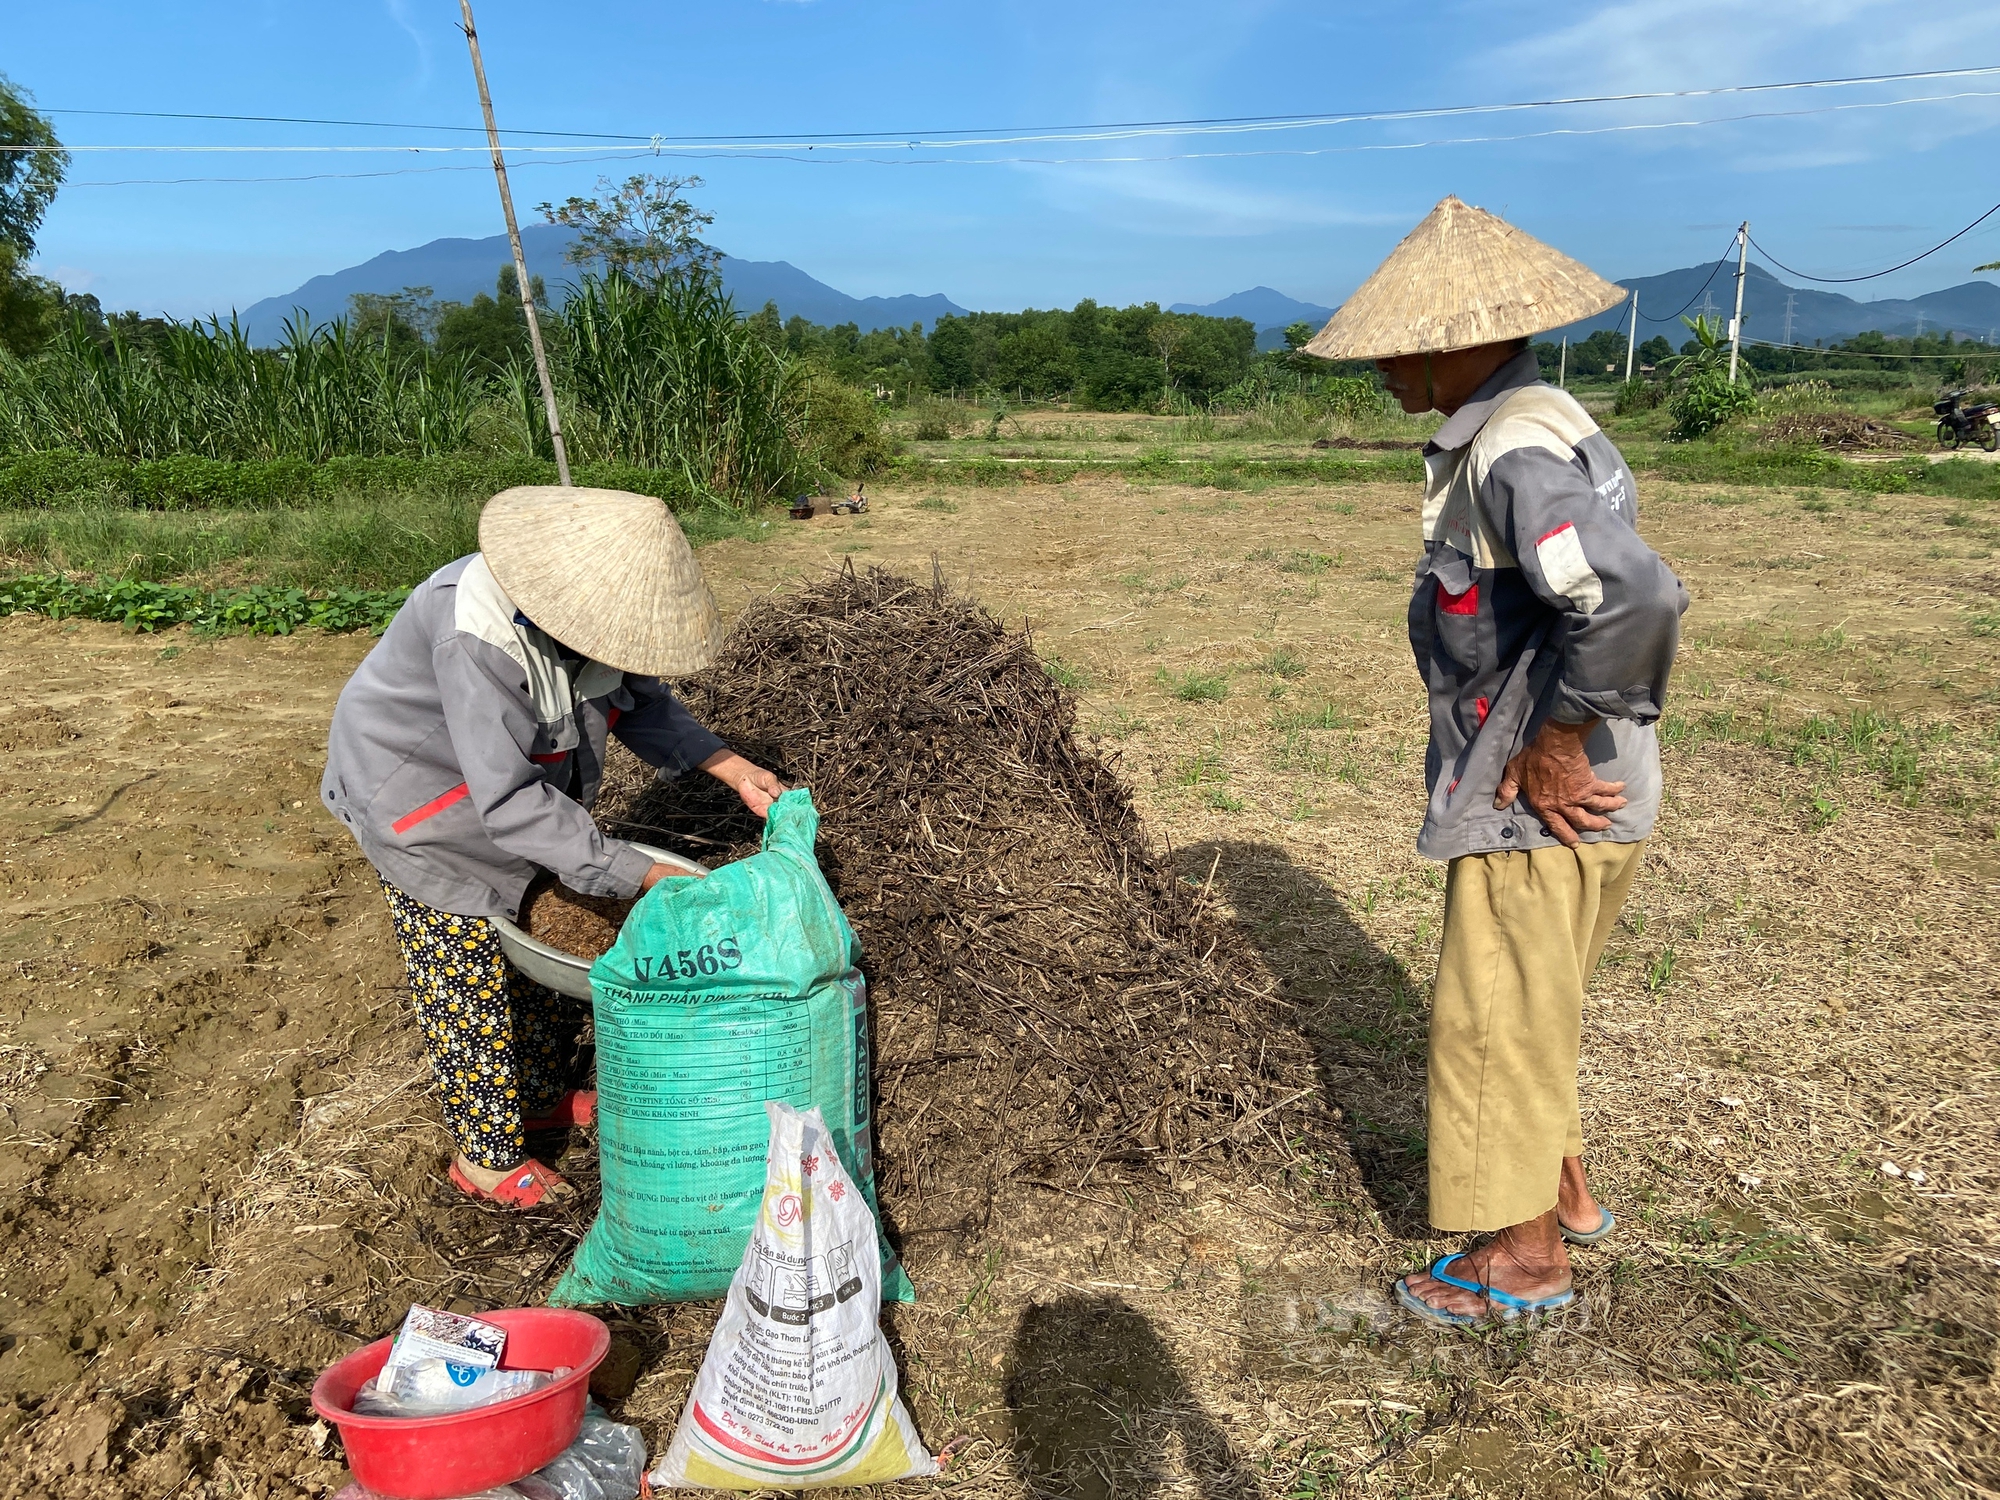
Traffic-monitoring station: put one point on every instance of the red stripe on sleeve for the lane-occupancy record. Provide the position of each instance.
(1553, 531)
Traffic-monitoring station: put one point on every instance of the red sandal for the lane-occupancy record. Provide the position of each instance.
(577, 1107)
(523, 1187)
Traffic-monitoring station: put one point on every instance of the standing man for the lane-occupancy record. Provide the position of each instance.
(1545, 629)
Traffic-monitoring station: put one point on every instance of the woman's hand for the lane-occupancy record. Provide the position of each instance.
(668, 872)
(756, 786)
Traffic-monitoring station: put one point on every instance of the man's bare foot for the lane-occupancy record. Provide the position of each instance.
(1575, 1207)
(1524, 1260)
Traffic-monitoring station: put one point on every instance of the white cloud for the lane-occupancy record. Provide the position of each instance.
(1645, 45)
(399, 13)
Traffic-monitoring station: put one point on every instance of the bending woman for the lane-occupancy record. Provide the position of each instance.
(464, 757)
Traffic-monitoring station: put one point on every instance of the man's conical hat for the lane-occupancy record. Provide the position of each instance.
(1462, 277)
(606, 573)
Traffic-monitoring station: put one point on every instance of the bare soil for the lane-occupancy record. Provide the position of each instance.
(222, 1168)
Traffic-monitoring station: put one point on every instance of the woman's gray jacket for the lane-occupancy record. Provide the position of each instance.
(466, 752)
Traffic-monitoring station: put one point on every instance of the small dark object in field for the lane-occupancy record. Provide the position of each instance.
(575, 923)
(1380, 445)
(1050, 1002)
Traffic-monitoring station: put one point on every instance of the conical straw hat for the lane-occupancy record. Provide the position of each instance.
(606, 573)
(1460, 278)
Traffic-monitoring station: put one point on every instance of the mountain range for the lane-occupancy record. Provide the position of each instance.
(458, 269)
(1270, 312)
(1775, 313)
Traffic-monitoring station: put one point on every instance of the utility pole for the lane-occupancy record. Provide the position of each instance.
(1562, 367)
(1632, 338)
(1790, 298)
(1736, 323)
(514, 239)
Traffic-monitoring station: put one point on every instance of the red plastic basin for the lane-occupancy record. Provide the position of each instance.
(435, 1458)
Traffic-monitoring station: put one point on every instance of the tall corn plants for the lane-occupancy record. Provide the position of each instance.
(205, 390)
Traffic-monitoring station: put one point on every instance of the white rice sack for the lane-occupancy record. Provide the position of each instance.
(798, 1388)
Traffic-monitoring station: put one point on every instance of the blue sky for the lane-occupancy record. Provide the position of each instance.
(1838, 191)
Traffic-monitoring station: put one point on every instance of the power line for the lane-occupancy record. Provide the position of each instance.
(1720, 262)
(540, 161)
(680, 153)
(157, 114)
(1875, 275)
(1016, 134)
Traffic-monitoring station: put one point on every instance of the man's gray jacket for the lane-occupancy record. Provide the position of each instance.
(1536, 599)
(466, 751)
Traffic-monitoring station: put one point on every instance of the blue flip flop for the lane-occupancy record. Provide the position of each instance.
(1506, 1305)
(1589, 1237)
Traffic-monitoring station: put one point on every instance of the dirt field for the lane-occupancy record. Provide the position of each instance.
(222, 1169)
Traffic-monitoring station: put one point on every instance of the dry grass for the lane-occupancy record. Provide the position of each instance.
(1800, 991)
(1807, 943)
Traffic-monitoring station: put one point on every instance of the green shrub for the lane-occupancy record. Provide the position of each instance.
(843, 428)
(1706, 402)
(1637, 395)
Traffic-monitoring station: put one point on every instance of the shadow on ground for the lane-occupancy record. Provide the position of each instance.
(1364, 1012)
(1101, 1409)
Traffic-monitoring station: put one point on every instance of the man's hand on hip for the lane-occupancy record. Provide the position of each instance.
(1554, 775)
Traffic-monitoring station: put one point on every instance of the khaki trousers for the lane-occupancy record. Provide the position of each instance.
(1522, 931)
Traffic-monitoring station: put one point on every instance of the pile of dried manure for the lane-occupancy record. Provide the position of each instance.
(580, 925)
(1051, 1005)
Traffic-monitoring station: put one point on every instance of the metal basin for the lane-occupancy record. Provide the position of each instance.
(562, 972)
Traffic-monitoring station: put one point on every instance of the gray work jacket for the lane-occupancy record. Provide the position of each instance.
(466, 751)
(1535, 599)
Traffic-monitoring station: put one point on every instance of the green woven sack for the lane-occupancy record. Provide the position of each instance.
(720, 994)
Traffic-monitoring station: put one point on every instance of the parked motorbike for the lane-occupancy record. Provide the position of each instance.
(1966, 424)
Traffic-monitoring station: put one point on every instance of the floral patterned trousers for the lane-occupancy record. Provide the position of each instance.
(501, 1046)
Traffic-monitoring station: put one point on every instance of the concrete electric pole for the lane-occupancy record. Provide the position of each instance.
(1736, 323)
(1632, 338)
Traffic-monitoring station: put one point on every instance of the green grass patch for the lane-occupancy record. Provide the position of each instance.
(1322, 715)
(1283, 662)
(380, 543)
(43, 481)
(1157, 465)
(1194, 687)
(1903, 756)
(1065, 674)
(938, 503)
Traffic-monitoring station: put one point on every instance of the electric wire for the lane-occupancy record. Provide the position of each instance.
(1014, 135)
(1876, 275)
(767, 154)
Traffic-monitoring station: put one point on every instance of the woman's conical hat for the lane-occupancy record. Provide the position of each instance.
(1462, 277)
(606, 573)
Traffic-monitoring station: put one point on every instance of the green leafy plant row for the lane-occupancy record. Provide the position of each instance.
(32, 481)
(265, 609)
